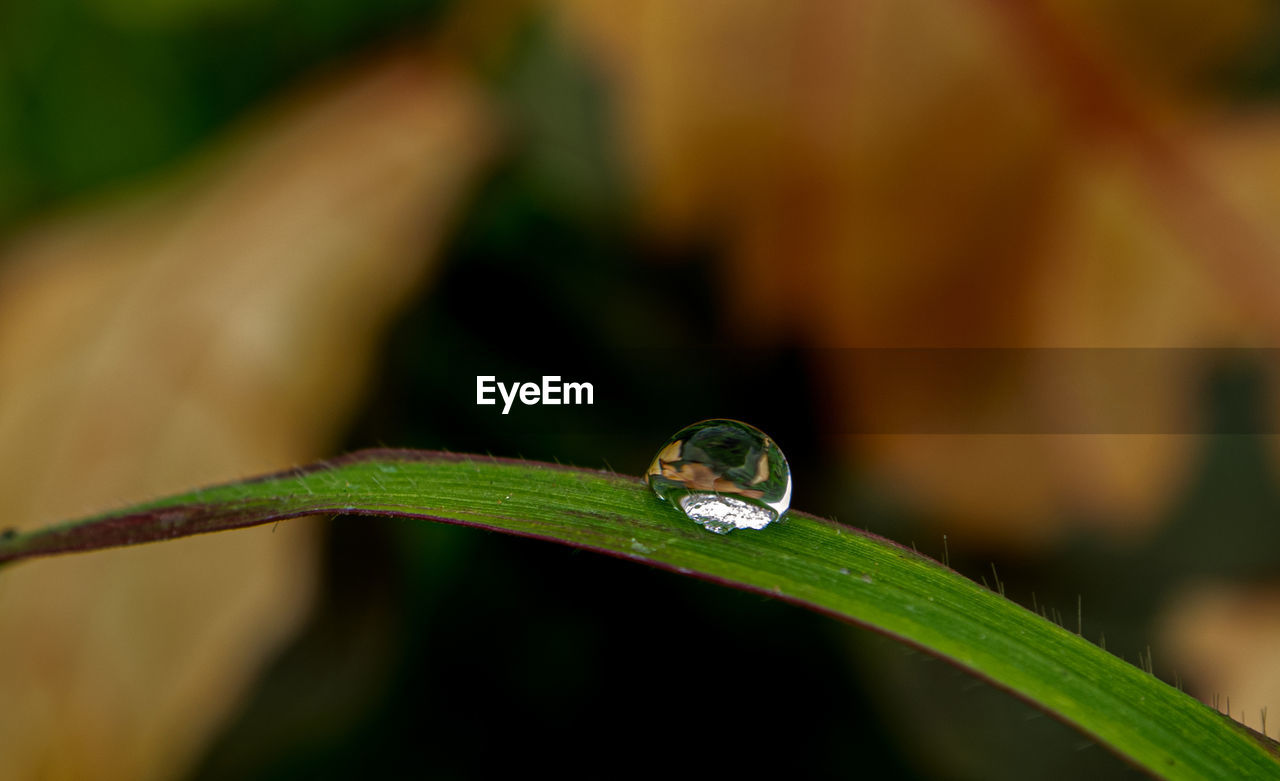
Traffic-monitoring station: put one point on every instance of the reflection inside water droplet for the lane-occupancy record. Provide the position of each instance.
(724, 475)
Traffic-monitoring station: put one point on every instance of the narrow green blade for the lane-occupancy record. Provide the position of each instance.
(805, 560)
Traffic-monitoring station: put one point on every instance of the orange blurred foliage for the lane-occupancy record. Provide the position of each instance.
(211, 326)
(962, 174)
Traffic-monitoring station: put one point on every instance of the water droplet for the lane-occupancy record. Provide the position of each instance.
(724, 475)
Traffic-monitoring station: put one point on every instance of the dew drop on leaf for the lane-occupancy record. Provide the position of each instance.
(724, 475)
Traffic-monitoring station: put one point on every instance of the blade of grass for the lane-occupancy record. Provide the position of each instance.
(805, 560)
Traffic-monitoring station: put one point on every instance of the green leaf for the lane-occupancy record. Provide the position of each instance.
(805, 560)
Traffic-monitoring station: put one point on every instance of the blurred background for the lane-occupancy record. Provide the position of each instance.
(997, 273)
